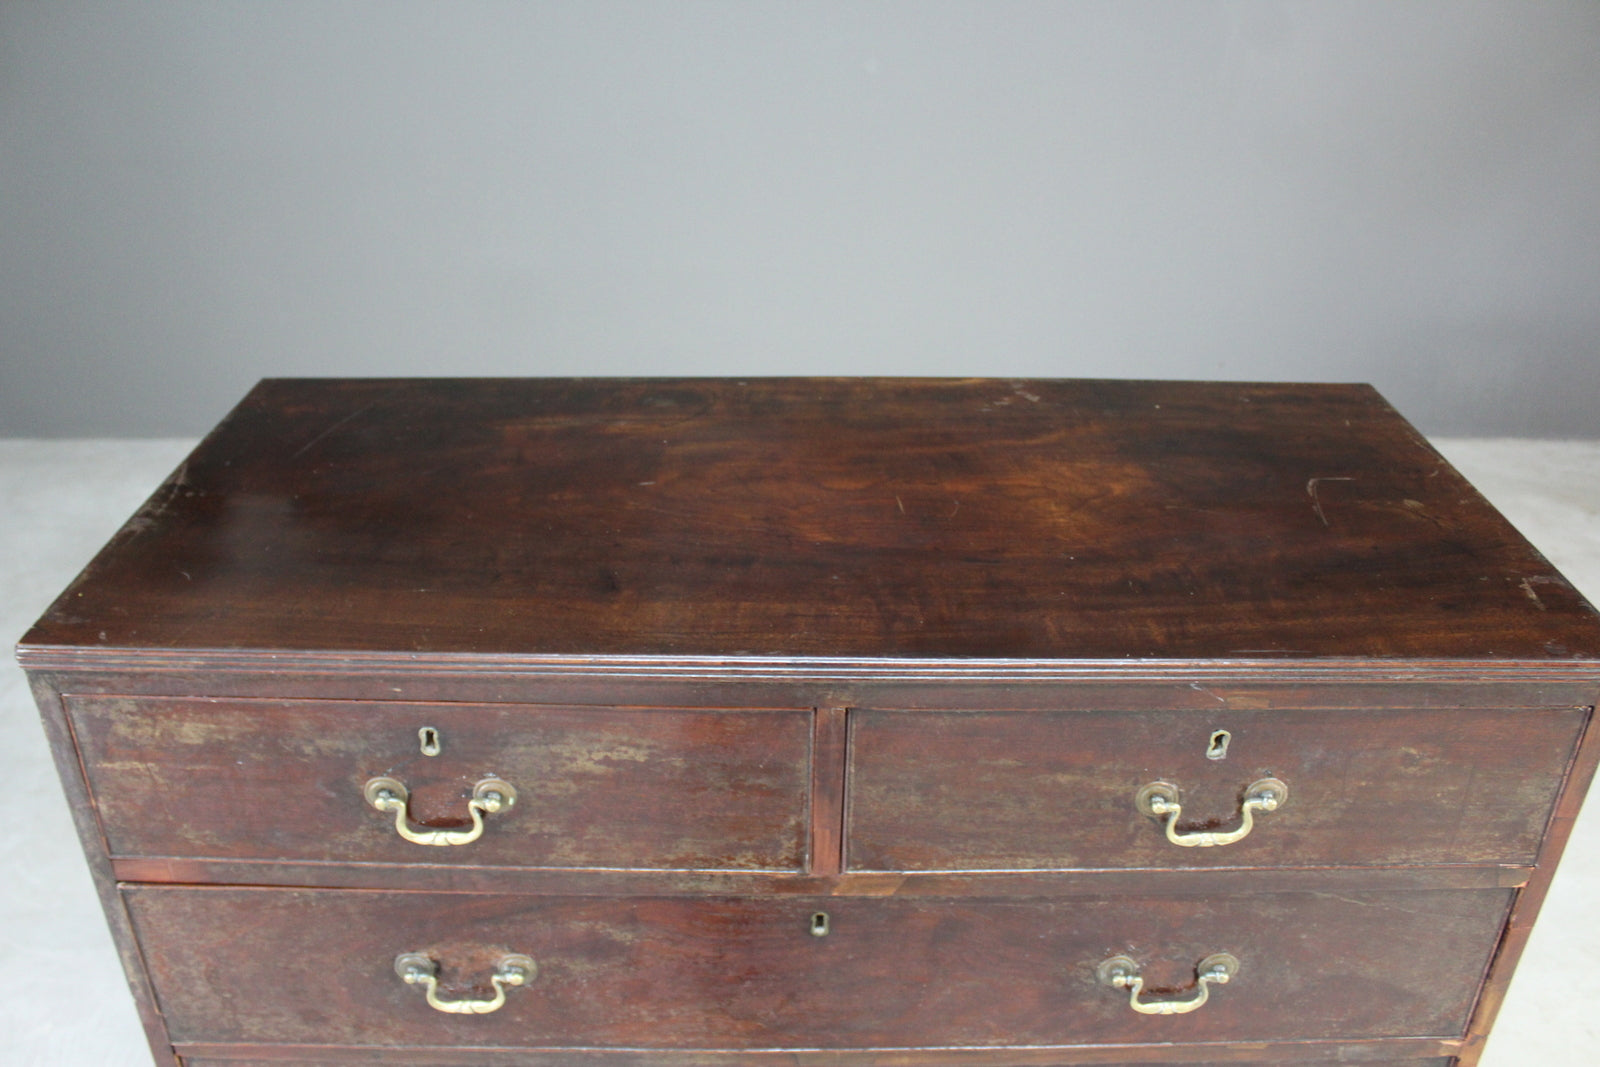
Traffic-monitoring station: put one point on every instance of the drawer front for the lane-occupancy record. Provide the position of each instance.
(594, 787)
(702, 1059)
(1003, 791)
(250, 966)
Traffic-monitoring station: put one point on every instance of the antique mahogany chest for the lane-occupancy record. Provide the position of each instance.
(715, 722)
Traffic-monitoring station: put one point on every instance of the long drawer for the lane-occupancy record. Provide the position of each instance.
(235, 966)
(987, 790)
(655, 1058)
(640, 788)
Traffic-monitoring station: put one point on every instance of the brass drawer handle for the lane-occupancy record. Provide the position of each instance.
(1121, 972)
(1160, 799)
(415, 968)
(490, 795)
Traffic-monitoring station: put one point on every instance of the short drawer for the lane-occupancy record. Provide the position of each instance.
(644, 788)
(318, 967)
(992, 790)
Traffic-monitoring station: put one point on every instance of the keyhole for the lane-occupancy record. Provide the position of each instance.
(819, 924)
(430, 740)
(1218, 747)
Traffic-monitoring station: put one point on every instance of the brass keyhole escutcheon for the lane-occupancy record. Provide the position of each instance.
(820, 924)
(1217, 747)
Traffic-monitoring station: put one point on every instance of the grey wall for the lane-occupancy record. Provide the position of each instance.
(195, 195)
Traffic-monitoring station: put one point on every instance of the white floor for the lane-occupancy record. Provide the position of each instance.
(62, 998)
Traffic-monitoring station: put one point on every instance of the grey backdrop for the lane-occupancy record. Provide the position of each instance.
(195, 195)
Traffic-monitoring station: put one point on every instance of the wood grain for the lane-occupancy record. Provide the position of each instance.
(822, 518)
(1276, 1054)
(899, 650)
(1006, 790)
(674, 973)
(596, 787)
(828, 759)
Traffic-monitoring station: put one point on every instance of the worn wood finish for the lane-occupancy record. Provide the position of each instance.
(676, 973)
(454, 877)
(827, 791)
(823, 518)
(1006, 790)
(596, 787)
(897, 650)
(952, 685)
(1579, 777)
(64, 752)
(1280, 1054)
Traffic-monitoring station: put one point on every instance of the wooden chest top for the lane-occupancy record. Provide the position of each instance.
(853, 520)
(728, 722)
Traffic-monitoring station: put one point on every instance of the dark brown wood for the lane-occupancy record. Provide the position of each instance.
(63, 750)
(448, 876)
(827, 792)
(900, 651)
(935, 686)
(618, 787)
(1278, 1054)
(999, 791)
(678, 973)
(824, 518)
(1520, 925)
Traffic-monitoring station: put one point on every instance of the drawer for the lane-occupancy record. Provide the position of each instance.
(995, 790)
(732, 1059)
(239, 967)
(690, 1060)
(642, 788)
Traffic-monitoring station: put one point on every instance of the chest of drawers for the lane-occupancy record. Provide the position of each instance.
(805, 722)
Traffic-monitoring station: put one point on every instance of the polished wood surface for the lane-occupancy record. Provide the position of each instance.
(676, 973)
(859, 518)
(902, 651)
